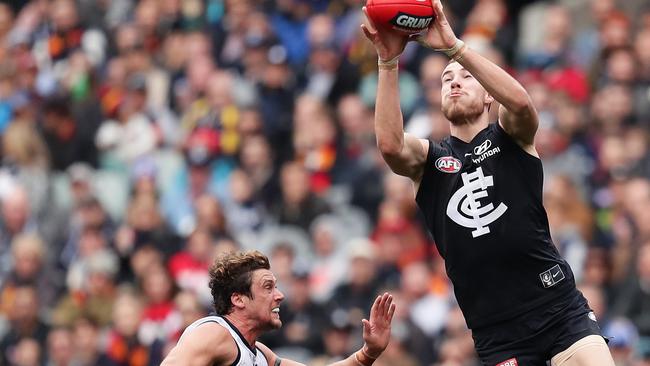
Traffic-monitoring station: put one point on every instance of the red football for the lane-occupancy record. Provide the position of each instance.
(404, 16)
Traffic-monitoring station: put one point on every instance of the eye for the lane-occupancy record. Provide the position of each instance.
(468, 76)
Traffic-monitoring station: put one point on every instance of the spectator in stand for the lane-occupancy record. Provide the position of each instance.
(355, 295)
(59, 347)
(159, 321)
(67, 139)
(24, 323)
(144, 225)
(189, 267)
(86, 343)
(210, 216)
(257, 161)
(123, 345)
(297, 205)
(634, 299)
(16, 220)
(96, 296)
(30, 267)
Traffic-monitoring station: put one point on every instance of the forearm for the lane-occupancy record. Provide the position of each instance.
(389, 127)
(359, 358)
(498, 83)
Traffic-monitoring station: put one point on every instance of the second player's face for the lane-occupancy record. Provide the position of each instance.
(265, 300)
(463, 98)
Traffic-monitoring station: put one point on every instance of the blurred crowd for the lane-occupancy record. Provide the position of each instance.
(141, 139)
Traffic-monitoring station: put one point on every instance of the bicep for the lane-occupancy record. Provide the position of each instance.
(521, 125)
(410, 160)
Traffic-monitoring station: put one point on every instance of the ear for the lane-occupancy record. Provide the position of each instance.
(238, 300)
(488, 99)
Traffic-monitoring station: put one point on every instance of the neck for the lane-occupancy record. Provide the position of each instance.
(246, 327)
(468, 129)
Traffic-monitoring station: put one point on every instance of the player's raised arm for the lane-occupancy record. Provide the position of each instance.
(517, 114)
(404, 153)
(376, 335)
(207, 345)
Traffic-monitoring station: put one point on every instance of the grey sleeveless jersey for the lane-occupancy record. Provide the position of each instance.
(248, 355)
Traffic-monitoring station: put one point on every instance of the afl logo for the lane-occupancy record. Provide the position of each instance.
(448, 164)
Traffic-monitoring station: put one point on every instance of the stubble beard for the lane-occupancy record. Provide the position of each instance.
(459, 114)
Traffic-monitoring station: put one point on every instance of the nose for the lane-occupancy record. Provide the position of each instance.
(279, 296)
(455, 83)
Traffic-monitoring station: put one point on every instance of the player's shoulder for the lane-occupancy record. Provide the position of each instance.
(212, 340)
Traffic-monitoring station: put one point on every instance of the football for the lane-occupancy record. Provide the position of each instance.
(403, 16)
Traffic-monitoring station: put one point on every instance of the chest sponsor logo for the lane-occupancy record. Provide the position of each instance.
(483, 147)
(483, 151)
(510, 362)
(551, 276)
(465, 207)
(448, 164)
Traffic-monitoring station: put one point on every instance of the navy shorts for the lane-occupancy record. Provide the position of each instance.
(534, 338)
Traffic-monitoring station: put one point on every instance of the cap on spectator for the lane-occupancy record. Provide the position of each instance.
(102, 262)
(571, 81)
(80, 173)
(203, 145)
(361, 248)
(277, 55)
(300, 271)
(339, 319)
(18, 37)
(257, 40)
(19, 100)
(144, 168)
(136, 82)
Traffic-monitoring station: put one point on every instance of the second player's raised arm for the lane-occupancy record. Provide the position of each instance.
(376, 335)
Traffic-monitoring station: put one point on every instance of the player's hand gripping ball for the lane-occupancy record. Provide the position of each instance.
(402, 16)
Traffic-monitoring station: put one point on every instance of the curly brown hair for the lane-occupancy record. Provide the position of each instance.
(232, 274)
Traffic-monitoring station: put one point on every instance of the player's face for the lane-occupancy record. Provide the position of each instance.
(463, 98)
(265, 301)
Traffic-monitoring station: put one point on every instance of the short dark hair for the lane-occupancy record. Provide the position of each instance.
(232, 273)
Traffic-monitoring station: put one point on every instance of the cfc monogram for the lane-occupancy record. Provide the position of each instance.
(465, 208)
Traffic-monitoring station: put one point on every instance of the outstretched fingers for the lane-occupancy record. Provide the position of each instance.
(384, 307)
(368, 29)
(371, 24)
(438, 9)
(391, 312)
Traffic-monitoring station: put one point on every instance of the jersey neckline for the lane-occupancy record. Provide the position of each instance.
(241, 336)
(460, 142)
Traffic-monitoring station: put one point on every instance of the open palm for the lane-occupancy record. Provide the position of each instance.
(376, 331)
(388, 44)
